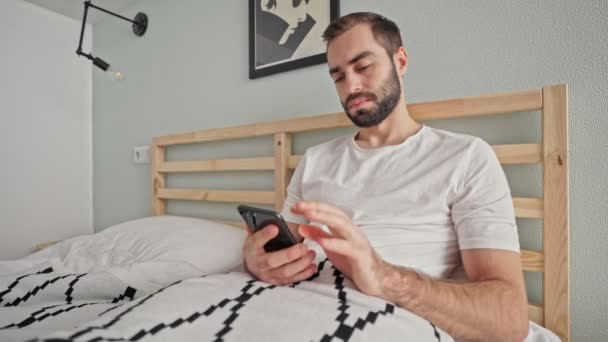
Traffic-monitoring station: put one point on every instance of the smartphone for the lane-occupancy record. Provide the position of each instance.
(258, 218)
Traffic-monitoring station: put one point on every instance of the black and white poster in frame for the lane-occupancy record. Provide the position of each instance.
(287, 34)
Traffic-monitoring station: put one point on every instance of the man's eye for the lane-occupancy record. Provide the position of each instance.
(364, 67)
(339, 79)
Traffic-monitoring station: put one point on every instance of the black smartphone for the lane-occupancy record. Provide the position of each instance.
(258, 218)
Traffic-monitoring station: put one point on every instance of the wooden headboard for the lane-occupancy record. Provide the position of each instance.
(552, 153)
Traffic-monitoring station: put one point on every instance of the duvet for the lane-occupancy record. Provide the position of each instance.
(40, 303)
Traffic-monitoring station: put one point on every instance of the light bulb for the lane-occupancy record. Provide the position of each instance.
(116, 74)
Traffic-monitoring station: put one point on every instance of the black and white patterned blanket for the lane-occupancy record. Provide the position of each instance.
(42, 304)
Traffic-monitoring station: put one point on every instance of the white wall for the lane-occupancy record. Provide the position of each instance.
(45, 129)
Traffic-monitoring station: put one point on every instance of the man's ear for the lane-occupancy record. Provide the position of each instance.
(401, 61)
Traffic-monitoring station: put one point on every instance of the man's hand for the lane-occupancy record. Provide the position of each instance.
(347, 247)
(281, 267)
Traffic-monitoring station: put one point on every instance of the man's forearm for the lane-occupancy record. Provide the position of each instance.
(490, 310)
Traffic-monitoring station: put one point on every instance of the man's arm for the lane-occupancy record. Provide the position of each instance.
(491, 307)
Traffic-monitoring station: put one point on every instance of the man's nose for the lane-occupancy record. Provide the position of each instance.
(353, 84)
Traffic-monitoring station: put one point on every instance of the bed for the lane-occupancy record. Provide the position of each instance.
(130, 282)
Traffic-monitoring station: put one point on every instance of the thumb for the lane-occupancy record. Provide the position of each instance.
(247, 229)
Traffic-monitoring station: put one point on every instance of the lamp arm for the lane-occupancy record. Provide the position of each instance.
(140, 24)
(84, 22)
(112, 13)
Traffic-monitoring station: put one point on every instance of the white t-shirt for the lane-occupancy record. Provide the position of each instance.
(418, 202)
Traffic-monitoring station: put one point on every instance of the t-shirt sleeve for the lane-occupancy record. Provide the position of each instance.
(294, 193)
(483, 213)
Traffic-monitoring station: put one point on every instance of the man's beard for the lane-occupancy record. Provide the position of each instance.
(389, 96)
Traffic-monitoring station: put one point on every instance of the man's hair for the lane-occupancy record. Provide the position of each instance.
(385, 31)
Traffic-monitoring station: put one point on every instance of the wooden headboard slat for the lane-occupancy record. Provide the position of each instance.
(528, 207)
(532, 261)
(233, 164)
(230, 196)
(529, 100)
(524, 207)
(519, 153)
(507, 154)
(555, 228)
(282, 152)
(536, 314)
(159, 206)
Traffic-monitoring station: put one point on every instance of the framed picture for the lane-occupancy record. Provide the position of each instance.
(287, 34)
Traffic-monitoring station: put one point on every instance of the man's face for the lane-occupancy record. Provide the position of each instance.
(365, 76)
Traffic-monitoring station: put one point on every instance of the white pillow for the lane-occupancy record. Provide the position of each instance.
(152, 252)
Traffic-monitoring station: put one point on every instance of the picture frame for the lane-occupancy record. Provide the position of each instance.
(286, 35)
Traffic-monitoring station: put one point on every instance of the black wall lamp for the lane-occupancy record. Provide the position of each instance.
(140, 24)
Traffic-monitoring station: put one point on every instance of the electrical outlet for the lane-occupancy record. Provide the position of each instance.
(141, 154)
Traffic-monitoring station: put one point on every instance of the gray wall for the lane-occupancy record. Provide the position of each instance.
(189, 72)
(45, 129)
